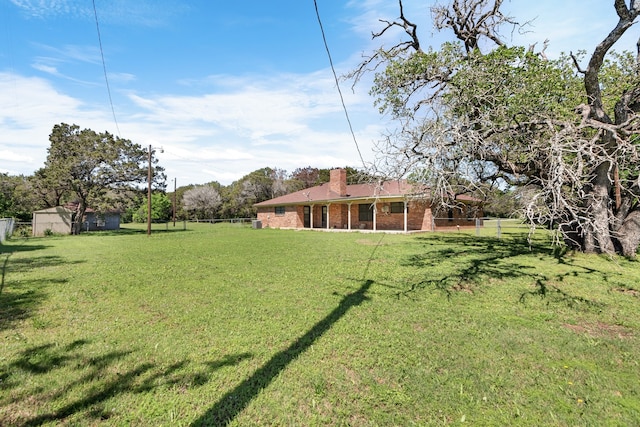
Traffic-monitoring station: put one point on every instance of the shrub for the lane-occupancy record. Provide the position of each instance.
(25, 231)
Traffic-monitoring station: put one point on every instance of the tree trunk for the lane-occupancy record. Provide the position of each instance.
(597, 237)
(77, 223)
(629, 234)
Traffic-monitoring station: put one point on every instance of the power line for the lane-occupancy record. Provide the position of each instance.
(344, 107)
(104, 67)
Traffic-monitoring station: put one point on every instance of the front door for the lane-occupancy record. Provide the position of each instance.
(307, 216)
(324, 217)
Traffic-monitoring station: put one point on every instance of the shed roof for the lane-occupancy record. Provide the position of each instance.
(55, 209)
(74, 207)
(71, 208)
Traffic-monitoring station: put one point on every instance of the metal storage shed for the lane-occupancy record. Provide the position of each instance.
(57, 219)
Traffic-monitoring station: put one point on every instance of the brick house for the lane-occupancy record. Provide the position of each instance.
(390, 205)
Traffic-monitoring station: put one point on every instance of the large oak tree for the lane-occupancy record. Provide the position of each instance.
(477, 111)
(94, 169)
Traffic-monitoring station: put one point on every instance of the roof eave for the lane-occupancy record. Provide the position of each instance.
(342, 200)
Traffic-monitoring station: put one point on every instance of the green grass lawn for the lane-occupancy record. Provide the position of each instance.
(228, 325)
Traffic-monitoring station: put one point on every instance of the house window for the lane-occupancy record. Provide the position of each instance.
(279, 210)
(365, 212)
(398, 207)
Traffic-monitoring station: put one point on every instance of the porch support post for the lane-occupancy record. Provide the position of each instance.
(405, 216)
(349, 217)
(311, 217)
(328, 209)
(375, 214)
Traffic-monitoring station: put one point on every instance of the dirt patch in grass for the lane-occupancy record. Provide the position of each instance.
(628, 291)
(463, 287)
(368, 242)
(600, 330)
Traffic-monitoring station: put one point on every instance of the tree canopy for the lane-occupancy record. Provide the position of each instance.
(476, 113)
(104, 172)
(94, 169)
(202, 201)
(161, 209)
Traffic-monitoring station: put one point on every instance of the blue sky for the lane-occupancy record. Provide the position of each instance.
(223, 87)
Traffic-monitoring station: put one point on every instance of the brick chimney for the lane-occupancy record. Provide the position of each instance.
(338, 182)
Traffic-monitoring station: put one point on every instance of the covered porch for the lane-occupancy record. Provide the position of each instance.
(397, 214)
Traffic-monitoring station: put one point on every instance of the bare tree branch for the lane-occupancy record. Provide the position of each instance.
(469, 121)
(470, 21)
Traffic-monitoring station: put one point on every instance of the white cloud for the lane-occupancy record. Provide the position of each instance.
(121, 77)
(29, 107)
(570, 25)
(285, 121)
(44, 8)
(72, 52)
(228, 125)
(261, 111)
(48, 69)
(147, 13)
(58, 61)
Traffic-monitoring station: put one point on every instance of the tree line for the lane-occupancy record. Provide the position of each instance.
(216, 201)
(107, 173)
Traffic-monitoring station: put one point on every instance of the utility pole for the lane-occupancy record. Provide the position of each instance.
(175, 182)
(149, 195)
(149, 189)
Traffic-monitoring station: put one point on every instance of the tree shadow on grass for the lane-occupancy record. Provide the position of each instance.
(25, 295)
(18, 306)
(235, 401)
(99, 376)
(553, 294)
(454, 263)
(18, 246)
(6, 252)
(125, 231)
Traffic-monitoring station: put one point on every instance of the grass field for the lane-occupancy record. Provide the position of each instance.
(228, 325)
